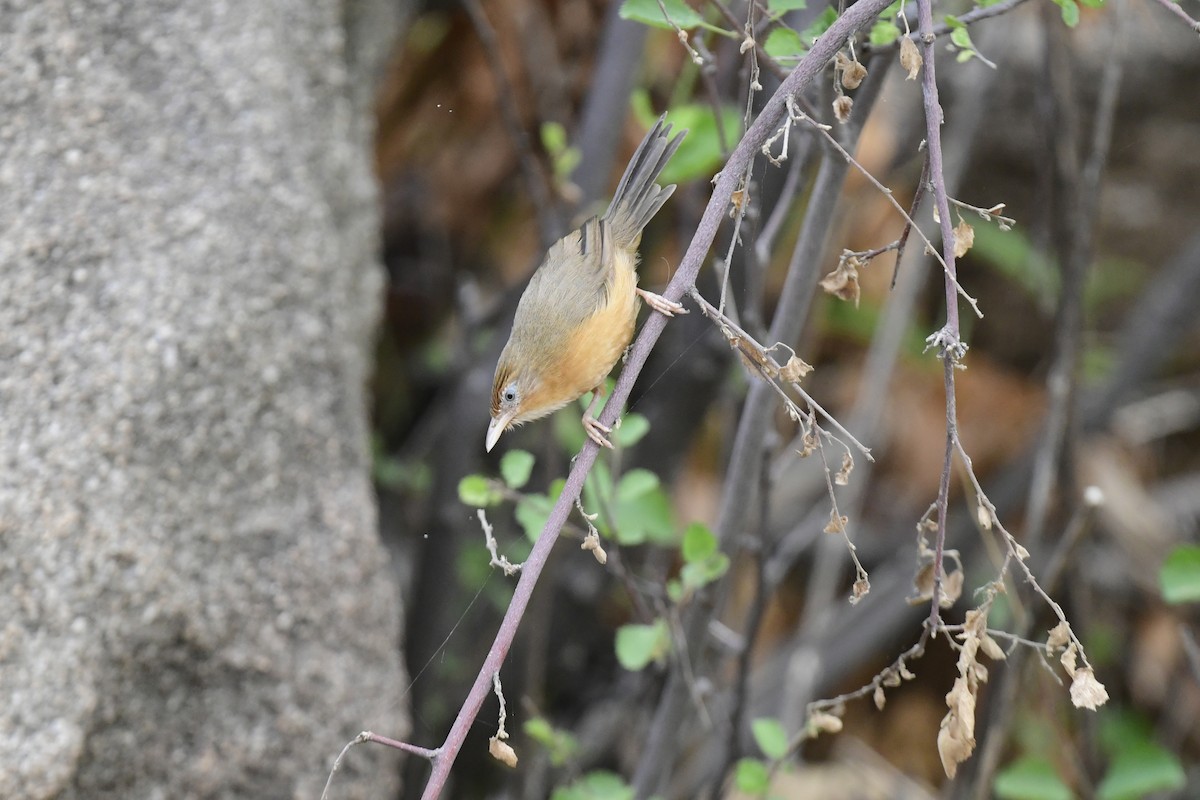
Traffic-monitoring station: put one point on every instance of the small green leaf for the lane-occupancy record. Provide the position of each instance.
(964, 56)
(478, 492)
(884, 32)
(675, 591)
(1180, 575)
(699, 154)
(780, 7)
(1070, 12)
(598, 496)
(819, 25)
(698, 542)
(631, 430)
(1030, 778)
(596, 785)
(638, 645)
(635, 483)
(568, 430)
(1139, 771)
(771, 737)
(784, 43)
(751, 776)
(961, 38)
(554, 137)
(648, 12)
(1122, 730)
(701, 573)
(560, 745)
(515, 467)
(533, 510)
(646, 517)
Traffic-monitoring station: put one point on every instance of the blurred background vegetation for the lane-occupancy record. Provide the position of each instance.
(502, 123)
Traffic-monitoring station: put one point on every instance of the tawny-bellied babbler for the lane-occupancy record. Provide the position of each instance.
(577, 315)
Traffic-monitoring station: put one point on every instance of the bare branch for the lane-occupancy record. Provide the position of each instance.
(1180, 14)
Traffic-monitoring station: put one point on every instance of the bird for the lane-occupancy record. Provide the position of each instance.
(577, 315)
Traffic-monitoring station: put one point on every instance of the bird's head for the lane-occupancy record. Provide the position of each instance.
(511, 392)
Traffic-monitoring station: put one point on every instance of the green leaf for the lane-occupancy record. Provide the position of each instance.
(640, 507)
(597, 485)
(675, 591)
(954, 22)
(1180, 575)
(819, 25)
(884, 32)
(539, 729)
(631, 430)
(478, 492)
(647, 517)
(771, 737)
(554, 137)
(515, 467)
(635, 483)
(780, 7)
(961, 38)
(1122, 730)
(533, 510)
(699, 154)
(751, 776)
(638, 645)
(648, 12)
(569, 430)
(560, 745)
(1093, 3)
(698, 574)
(596, 785)
(1070, 12)
(1141, 770)
(784, 43)
(698, 542)
(1030, 778)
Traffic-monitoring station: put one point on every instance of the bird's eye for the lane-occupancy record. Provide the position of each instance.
(510, 395)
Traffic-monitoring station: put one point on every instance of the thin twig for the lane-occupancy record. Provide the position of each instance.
(1180, 13)
(950, 346)
(489, 539)
(947, 262)
(374, 738)
(778, 70)
(768, 368)
(896, 667)
(1010, 680)
(972, 16)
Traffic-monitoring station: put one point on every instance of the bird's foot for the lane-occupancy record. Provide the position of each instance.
(596, 432)
(661, 304)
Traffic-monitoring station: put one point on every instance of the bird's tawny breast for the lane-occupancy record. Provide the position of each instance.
(596, 345)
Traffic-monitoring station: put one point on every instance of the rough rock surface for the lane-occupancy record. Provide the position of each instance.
(193, 600)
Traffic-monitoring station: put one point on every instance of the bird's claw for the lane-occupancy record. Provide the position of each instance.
(661, 304)
(596, 432)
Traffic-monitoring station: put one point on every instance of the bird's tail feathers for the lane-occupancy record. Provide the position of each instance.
(638, 198)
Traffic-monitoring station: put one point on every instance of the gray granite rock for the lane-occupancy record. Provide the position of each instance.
(193, 600)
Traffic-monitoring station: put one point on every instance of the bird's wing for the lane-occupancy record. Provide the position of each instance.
(572, 283)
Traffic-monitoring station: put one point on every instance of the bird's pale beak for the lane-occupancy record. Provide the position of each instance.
(497, 426)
